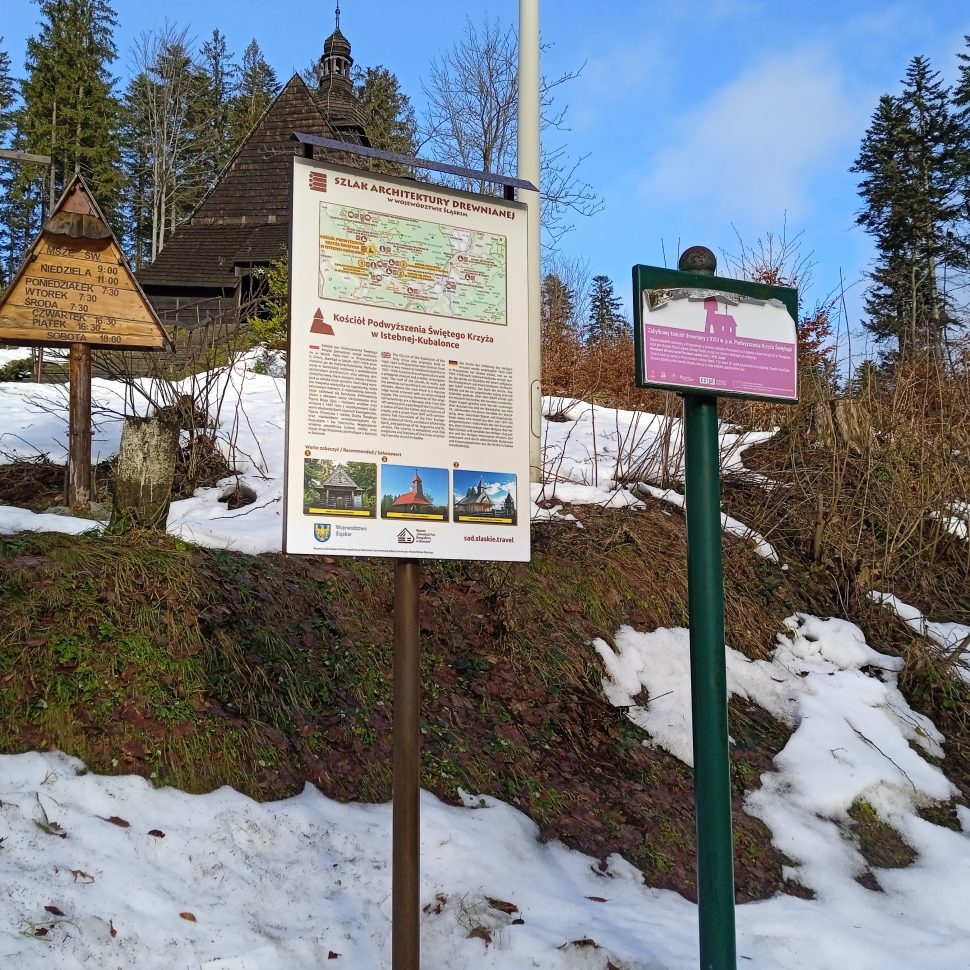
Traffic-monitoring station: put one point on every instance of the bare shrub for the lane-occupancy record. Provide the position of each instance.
(872, 512)
(199, 387)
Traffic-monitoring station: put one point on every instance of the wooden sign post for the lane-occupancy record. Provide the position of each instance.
(75, 290)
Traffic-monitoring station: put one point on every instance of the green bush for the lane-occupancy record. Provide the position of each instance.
(20, 369)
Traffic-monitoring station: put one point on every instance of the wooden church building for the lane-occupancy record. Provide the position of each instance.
(413, 501)
(340, 491)
(204, 277)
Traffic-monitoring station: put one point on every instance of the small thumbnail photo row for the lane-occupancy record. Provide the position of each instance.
(366, 490)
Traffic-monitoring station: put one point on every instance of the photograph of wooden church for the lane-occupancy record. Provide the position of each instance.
(330, 489)
(414, 493)
(484, 497)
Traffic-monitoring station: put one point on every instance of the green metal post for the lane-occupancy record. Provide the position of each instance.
(705, 592)
(712, 775)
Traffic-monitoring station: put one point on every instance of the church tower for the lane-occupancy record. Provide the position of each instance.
(335, 94)
(336, 63)
(417, 487)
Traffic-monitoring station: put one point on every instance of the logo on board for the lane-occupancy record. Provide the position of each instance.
(318, 181)
(405, 536)
(319, 325)
(321, 531)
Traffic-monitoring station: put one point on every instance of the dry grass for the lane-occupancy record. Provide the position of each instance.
(864, 487)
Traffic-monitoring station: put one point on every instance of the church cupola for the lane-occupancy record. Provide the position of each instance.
(335, 95)
(336, 62)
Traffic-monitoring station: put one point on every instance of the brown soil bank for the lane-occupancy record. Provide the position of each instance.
(200, 668)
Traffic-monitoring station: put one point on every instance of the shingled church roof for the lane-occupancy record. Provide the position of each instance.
(244, 220)
(342, 478)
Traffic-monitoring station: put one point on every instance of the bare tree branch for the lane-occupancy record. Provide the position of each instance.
(471, 120)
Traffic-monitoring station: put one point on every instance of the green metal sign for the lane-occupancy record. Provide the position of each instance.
(698, 333)
(706, 336)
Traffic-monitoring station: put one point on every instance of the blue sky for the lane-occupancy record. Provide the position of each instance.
(704, 121)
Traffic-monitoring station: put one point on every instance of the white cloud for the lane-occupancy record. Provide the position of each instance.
(499, 488)
(753, 148)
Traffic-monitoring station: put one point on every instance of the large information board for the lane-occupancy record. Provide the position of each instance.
(408, 401)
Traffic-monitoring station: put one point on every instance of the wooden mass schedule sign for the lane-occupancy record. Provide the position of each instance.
(74, 289)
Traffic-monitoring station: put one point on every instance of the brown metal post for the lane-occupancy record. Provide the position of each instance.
(79, 428)
(405, 863)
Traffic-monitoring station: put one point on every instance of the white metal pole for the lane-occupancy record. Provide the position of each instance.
(528, 155)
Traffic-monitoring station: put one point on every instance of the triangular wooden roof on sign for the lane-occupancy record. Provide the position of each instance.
(75, 285)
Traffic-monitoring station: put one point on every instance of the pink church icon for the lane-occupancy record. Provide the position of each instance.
(718, 324)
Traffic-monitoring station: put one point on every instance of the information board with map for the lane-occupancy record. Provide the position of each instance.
(408, 399)
(410, 264)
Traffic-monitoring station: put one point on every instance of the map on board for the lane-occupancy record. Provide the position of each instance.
(409, 264)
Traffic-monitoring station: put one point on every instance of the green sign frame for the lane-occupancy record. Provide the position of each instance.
(646, 278)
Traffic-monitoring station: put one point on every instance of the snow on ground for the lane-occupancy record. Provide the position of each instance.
(219, 882)
(249, 410)
(855, 736)
(591, 452)
(605, 447)
(952, 638)
(729, 525)
(13, 520)
(956, 519)
(110, 872)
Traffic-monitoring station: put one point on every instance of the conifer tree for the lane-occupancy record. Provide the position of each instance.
(606, 319)
(961, 91)
(961, 103)
(222, 75)
(69, 110)
(7, 101)
(866, 380)
(258, 85)
(909, 161)
(391, 124)
(136, 209)
(7, 95)
(557, 306)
